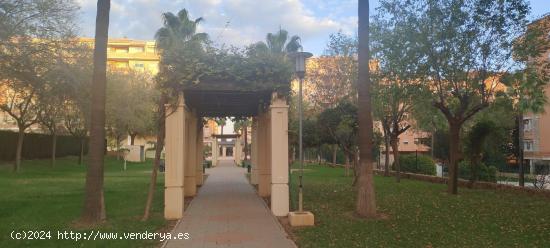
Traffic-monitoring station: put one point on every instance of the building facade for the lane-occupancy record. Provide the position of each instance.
(125, 54)
(536, 142)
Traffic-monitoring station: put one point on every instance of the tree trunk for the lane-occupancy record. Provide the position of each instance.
(334, 153)
(293, 153)
(432, 145)
(54, 148)
(245, 142)
(366, 203)
(319, 154)
(474, 167)
(118, 155)
(94, 205)
(520, 150)
(396, 164)
(454, 154)
(347, 164)
(158, 151)
(387, 156)
(81, 155)
(19, 149)
(132, 138)
(355, 166)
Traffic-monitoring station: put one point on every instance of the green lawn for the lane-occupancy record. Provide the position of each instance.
(51, 199)
(419, 214)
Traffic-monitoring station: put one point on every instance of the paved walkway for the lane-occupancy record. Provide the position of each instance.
(227, 212)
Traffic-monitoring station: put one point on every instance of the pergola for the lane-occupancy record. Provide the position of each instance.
(269, 153)
(223, 142)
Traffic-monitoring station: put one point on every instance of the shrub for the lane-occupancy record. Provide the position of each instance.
(485, 173)
(425, 164)
(37, 146)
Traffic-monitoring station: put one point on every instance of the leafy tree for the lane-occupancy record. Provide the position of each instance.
(333, 77)
(475, 142)
(366, 203)
(341, 123)
(393, 101)
(464, 46)
(242, 123)
(94, 203)
(77, 123)
(63, 86)
(141, 100)
(21, 105)
(526, 85)
(133, 114)
(76, 78)
(397, 82)
(31, 33)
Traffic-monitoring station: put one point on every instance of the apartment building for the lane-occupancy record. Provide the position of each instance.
(124, 54)
(537, 126)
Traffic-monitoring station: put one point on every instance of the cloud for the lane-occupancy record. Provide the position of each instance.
(231, 22)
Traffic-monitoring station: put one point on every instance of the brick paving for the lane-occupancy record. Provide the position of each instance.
(227, 212)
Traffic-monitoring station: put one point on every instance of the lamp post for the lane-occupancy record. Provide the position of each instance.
(300, 70)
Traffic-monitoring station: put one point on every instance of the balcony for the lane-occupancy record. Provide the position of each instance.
(112, 55)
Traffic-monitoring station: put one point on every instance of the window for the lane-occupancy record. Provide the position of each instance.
(137, 49)
(139, 65)
(527, 124)
(121, 50)
(406, 142)
(528, 145)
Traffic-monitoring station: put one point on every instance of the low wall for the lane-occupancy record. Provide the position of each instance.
(468, 184)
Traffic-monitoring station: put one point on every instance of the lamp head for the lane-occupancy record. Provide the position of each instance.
(300, 62)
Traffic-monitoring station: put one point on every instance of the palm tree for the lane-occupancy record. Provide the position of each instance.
(178, 31)
(221, 122)
(277, 43)
(94, 204)
(365, 204)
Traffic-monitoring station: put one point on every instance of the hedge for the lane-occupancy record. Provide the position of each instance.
(37, 146)
(425, 164)
(485, 173)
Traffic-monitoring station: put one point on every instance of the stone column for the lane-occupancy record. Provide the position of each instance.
(279, 156)
(237, 151)
(215, 151)
(254, 152)
(264, 170)
(191, 146)
(200, 154)
(175, 160)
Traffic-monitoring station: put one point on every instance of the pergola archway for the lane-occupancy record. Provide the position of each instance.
(183, 143)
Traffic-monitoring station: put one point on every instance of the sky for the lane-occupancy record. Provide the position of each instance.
(242, 22)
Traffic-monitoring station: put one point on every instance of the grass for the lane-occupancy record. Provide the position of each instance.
(419, 214)
(50, 199)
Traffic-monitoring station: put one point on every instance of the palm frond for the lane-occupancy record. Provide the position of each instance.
(183, 15)
(170, 20)
(294, 44)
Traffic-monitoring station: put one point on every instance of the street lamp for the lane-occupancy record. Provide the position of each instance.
(300, 70)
